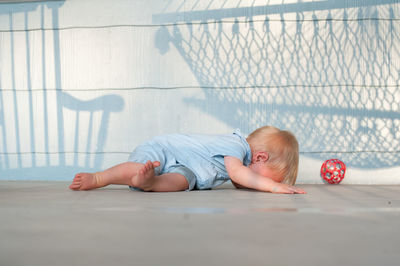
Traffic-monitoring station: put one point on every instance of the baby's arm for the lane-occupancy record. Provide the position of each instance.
(245, 177)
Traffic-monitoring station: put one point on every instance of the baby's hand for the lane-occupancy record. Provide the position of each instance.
(287, 189)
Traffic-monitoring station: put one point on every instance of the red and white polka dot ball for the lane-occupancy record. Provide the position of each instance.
(333, 171)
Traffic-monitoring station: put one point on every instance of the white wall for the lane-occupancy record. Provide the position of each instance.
(83, 82)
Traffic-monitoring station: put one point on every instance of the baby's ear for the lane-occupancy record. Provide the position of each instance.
(261, 157)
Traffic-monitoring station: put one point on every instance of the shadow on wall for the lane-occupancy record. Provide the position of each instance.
(45, 133)
(328, 71)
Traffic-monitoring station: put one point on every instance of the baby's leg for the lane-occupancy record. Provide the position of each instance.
(120, 174)
(168, 182)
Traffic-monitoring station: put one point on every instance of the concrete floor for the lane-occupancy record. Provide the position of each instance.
(44, 223)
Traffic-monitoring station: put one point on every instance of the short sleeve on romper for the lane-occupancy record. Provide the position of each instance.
(231, 145)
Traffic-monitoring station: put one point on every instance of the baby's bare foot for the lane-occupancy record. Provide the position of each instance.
(85, 181)
(145, 176)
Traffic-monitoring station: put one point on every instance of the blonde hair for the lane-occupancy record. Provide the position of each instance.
(282, 148)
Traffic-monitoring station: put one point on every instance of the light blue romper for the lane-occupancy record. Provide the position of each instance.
(200, 158)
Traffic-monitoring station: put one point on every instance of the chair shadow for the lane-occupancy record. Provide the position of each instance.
(46, 133)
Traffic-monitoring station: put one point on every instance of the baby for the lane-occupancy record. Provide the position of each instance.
(266, 161)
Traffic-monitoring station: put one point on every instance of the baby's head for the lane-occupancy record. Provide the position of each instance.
(277, 151)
